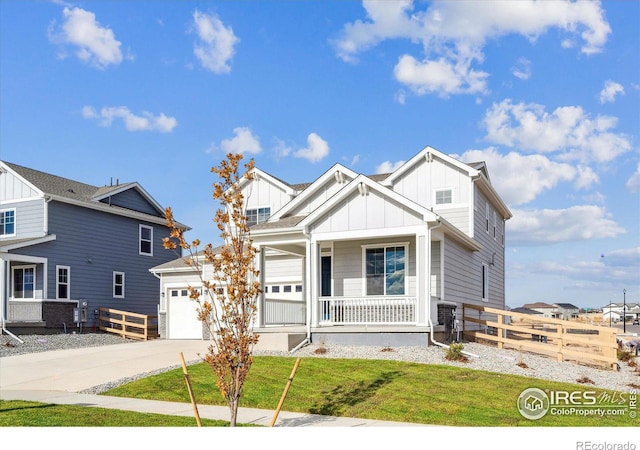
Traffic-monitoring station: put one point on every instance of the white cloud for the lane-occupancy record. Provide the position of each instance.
(144, 122)
(610, 90)
(317, 148)
(243, 142)
(508, 171)
(389, 167)
(453, 34)
(215, 46)
(94, 43)
(550, 226)
(586, 177)
(568, 131)
(633, 183)
(281, 149)
(522, 70)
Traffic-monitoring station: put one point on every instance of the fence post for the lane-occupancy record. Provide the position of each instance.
(500, 331)
(561, 331)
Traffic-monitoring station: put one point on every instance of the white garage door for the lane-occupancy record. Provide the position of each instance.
(182, 318)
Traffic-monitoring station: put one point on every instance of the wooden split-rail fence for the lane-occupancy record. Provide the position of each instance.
(128, 324)
(562, 339)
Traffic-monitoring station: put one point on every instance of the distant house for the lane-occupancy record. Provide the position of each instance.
(616, 311)
(66, 244)
(566, 311)
(545, 309)
(377, 260)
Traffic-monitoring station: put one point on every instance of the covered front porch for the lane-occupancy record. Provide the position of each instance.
(382, 284)
(24, 304)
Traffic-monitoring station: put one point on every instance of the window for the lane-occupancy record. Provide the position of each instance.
(275, 289)
(486, 214)
(62, 282)
(118, 284)
(495, 224)
(385, 270)
(24, 282)
(146, 240)
(8, 222)
(485, 283)
(298, 288)
(257, 215)
(444, 197)
(287, 288)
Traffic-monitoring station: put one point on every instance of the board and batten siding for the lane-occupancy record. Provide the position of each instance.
(421, 181)
(13, 188)
(348, 277)
(368, 212)
(321, 195)
(94, 244)
(260, 193)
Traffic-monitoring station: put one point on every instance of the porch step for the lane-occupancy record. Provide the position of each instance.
(279, 341)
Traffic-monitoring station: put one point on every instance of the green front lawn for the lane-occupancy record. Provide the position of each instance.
(375, 389)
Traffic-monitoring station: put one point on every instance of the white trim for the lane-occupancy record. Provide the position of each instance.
(13, 286)
(313, 187)
(68, 283)
(443, 205)
(140, 240)
(22, 200)
(384, 246)
(115, 273)
(27, 242)
(125, 187)
(15, 222)
(484, 285)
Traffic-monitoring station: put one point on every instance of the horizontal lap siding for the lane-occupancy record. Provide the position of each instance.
(347, 265)
(29, 218)
(132, 199)
(94, 244)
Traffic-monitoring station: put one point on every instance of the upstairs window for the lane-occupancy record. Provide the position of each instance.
(444, 197)
(257, 215)
(146, 240)
(8, 222)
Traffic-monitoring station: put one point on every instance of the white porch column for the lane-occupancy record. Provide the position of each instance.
(423, 281)
(261, 277)
(4, 282)
(311, 283)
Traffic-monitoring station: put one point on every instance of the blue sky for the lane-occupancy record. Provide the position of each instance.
(546, 93)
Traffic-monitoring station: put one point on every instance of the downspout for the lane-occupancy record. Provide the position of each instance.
(439, 344)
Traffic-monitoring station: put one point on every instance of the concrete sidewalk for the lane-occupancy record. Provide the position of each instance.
(59, 376)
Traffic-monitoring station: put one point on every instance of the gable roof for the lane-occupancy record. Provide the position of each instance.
(85, 195)
(338, 171)
(537, 305)
(566, 306)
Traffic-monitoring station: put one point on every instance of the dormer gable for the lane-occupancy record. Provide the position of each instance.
(131, 196)
(317, 192)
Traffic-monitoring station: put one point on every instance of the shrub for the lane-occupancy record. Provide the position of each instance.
(455, 353)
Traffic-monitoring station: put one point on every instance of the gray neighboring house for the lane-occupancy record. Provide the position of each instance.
(66, 244)
(566, 311)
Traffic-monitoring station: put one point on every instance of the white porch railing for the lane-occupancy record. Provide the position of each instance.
(284, 312)
(25, 311)
(367, 310)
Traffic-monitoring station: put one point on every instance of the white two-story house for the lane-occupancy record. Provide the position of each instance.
(378, 260)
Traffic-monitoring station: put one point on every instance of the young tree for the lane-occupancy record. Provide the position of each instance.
(227, 305)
